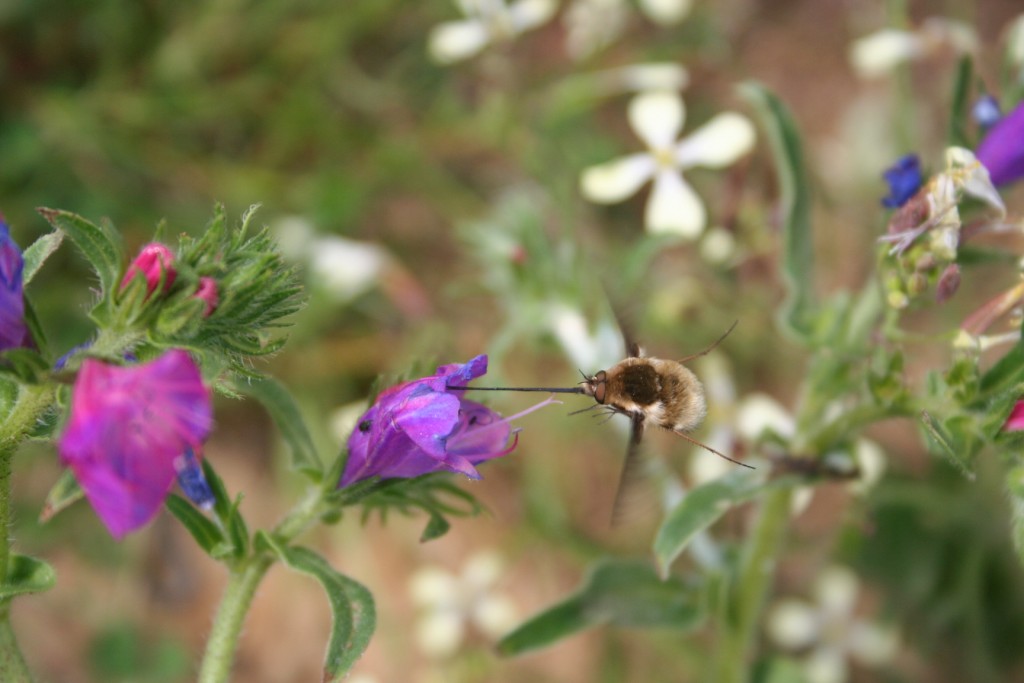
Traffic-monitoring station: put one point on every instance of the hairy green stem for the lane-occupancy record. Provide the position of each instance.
(227, 624)
(748, 594)
(12, 665)
(32, 401)
(243, 580)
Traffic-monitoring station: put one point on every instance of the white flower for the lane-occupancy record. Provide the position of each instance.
(830, 628)
(673, 207)
(666, 12)
(587, 350)
(1015, 43)
(339, 266)
(964, 175)
(451, 603)
(487, 21)
(879, 53)
(593, 24)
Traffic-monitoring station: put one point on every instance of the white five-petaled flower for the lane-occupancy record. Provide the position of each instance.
(829, 629)
(450, 603)
(487, 21)
(673, 207)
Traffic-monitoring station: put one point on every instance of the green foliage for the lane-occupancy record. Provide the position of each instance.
(256, 290)
(26, 575)
(352, 607)
(699, 509)
(436, 494)
(100, 245)
(616, 592)
(286, 415)
(797, 264)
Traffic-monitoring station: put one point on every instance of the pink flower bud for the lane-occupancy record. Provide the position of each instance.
(207, 291)
(1015, 422)
(949, 282)
(154, 261)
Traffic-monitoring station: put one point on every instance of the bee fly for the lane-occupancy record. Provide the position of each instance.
(646, 390)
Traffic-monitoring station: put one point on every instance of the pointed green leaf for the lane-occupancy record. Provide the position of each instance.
(206, 533)
(65, 492)
(699, 509)
(948, 444)
(352, 607)
(37, 253)
(285, 413)
(959, 115)
(27, 575)
(797, 311)
(101, 245)
(617, 592)
(437, 527)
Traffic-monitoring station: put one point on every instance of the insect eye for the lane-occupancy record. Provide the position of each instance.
(599, 390)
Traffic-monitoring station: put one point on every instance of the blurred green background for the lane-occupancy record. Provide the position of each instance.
(464, 178)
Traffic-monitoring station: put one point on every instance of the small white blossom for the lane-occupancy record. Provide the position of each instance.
(666, 12)
(591, 25)
(486, 22)
(1015, 45)
(673, 207)
(451, 603)
(879, 53)
(587, 349)
(831, 629)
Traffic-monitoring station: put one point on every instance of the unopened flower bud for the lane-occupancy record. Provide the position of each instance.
(207, 291)
(949, 281)
(155, 260)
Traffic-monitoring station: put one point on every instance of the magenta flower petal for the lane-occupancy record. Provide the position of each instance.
(1002, 150)
(421, 426)
(13, 331)
(154, 261)
(128, 428)
(1015, 422)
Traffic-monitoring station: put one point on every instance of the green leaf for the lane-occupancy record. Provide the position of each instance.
(950, 444)
(617, 592)
(37, 253)
(959, 114)
(25, 364)
(797, 311)
(26, 575)
(285, 413)
(437, 527)
(238, 530)
(206, 533)
(65, 492)
(701, 508)
(352, 606)
(100, 245)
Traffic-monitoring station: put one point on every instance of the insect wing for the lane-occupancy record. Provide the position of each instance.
(631, 480)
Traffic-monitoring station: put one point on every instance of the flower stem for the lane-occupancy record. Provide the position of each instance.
(12, 665)
(243, 580)
(757, 567)
(227, 624)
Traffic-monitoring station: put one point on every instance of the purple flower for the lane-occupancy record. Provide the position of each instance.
(154, 261)
(13, 331)
(986, 112)
(1002, 150)
(422, 426)
(128, 431)
(904, 179)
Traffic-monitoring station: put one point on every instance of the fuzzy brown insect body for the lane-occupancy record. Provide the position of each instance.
(657, 391)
